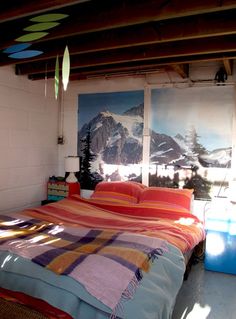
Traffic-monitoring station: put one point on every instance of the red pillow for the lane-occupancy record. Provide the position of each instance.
(180, 197)
(118, 192)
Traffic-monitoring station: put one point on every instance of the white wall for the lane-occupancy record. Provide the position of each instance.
(31, 122)
(28, 140)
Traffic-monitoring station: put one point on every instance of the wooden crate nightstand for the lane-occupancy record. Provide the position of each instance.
(57, 190)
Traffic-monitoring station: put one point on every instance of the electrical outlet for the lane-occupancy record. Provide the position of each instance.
(60, 140)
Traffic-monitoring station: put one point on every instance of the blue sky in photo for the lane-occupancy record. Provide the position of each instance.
(208, 109)
(117, 102)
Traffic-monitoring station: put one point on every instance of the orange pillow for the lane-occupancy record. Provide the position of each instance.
(180, 197)
(118, 192)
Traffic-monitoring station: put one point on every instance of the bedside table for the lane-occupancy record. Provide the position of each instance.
(57, 190)
(220, 254)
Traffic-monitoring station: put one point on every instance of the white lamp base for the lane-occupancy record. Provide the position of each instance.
(71, 178)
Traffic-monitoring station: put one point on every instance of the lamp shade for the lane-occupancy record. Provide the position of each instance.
(72, 164)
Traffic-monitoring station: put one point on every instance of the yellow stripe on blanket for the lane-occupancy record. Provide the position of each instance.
(60, 263)
(128, 254)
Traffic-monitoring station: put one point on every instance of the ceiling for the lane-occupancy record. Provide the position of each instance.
(116, 37)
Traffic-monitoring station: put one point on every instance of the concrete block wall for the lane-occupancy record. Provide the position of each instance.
(30, 123)
(28, 140)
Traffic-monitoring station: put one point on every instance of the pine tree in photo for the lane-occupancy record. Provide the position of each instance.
(192, 141)
(86, 177)
(199, 184)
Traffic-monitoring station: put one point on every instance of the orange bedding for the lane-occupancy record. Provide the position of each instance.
(167, 222)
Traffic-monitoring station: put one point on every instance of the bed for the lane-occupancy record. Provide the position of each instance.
(119, 254)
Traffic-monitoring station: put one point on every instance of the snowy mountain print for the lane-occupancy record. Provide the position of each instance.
(183, 143)
(185, 151)
(116, 139)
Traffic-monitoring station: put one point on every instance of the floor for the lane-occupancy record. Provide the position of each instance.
(206, 294)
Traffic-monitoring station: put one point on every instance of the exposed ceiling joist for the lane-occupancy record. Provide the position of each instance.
(183, 29)
(117, 14)
(181, 69)
(10, 10)
(136, 66)
(141, 53)
(102, 15)
(228, 64)
(106, 36)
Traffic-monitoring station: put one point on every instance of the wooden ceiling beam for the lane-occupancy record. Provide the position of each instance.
(181, 69)
(139, 66)
(104, 34)
(155, 32)
(103, 15)
(126, 13)
(228, 64)
(160, 51)
(25, 8)
(103, 71)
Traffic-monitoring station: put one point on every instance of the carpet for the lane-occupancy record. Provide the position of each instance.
(12, 310)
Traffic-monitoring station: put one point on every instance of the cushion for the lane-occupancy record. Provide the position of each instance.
(176, 196)
(118, 192)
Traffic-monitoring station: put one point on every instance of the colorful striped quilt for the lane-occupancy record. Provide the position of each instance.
(109, 263)
(181, 229)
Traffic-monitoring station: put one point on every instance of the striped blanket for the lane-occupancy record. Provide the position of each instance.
(184, 231)
(108, 263)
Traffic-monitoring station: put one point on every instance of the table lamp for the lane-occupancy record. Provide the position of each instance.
(72, 166)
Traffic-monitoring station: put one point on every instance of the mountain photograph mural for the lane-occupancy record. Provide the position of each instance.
(110, 136)
(190, 134)
(191, 138)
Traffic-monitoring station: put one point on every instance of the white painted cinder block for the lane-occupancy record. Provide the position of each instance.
(18, 157)
(4, 179)
(4, 138)
(13, 118)
(24, 197)
(4, 159)
(21, 138)
(28, 140)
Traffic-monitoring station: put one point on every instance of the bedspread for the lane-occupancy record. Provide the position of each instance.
(96, 258)
(154, 297)
(182, 230)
